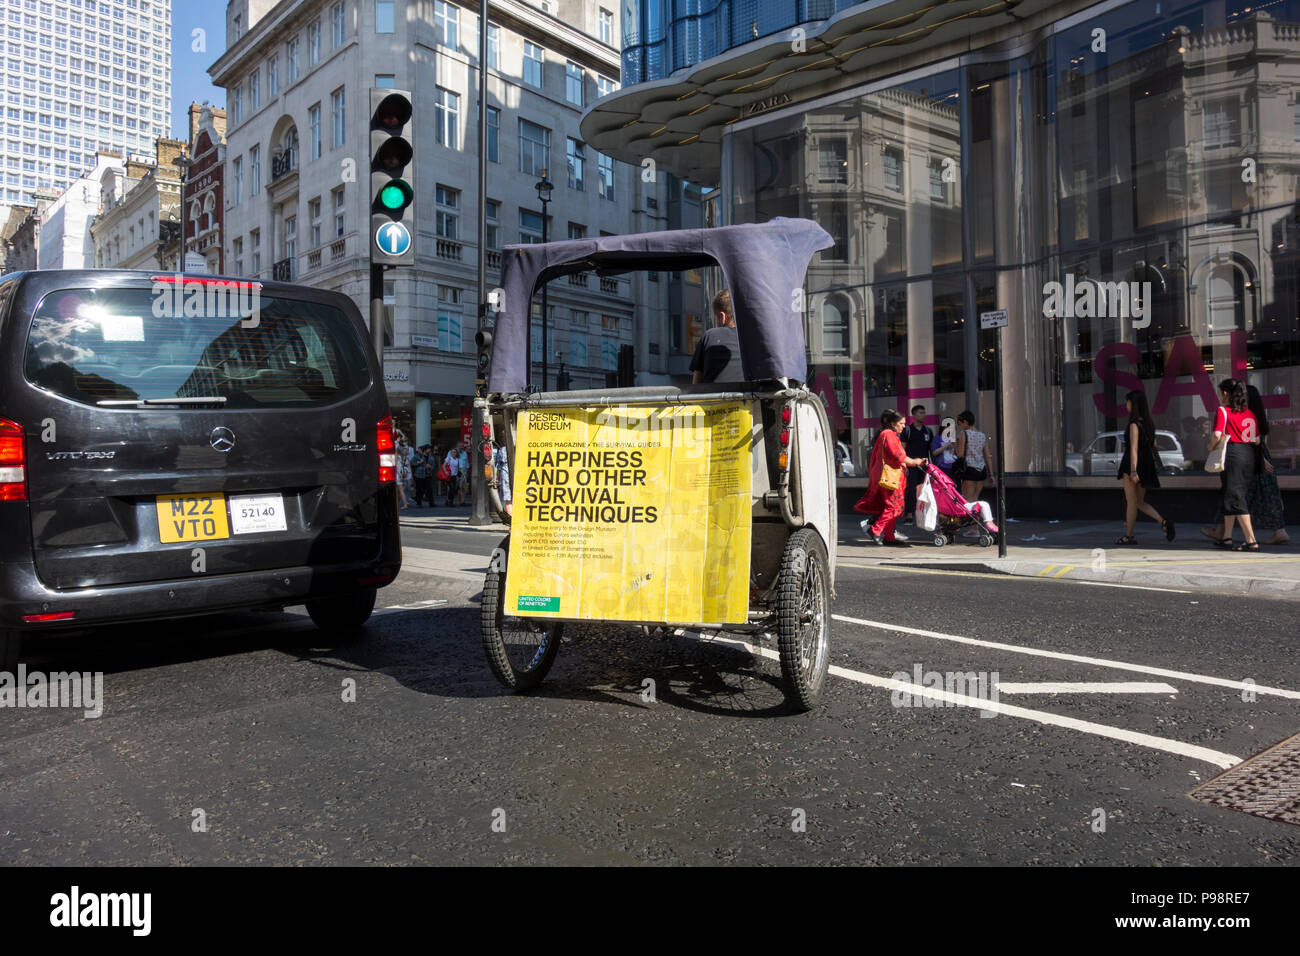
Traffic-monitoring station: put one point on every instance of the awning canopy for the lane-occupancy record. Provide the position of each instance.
(763, 265)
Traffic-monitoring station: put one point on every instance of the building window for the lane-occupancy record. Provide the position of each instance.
(313, 213)
(894, 169)
(576, 161)
(448, 216)
(835, 326)
(313, 43)
(255, 246)
(337, 25)
(534, 148)
(291, 55)
(494, 135)
(255, 91)
(938, 188)
(385, 81)
(606, 27)
(530, 227)
(494, 46)
(338, 108)
(449, 319)
(384, 16)
(237, 251)
(577, 230)
(313, 130)
(254, 170)
(291, 241)
(491, 211)
(237, 104)
(238, 167)
(446, 24)
(833, 161)
(1222, 122)
(605, 173)
(573, 81)
(273, 76)
(338, 212)
(447, 118)
(533, 59)
(605, 86)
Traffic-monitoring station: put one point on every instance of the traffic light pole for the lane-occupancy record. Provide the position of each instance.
(478, 478)
(377, 313)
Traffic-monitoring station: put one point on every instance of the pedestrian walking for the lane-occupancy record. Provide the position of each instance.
(501, 462)
(452, 464)
(1264, 499)
(403, 473)
(421, 471)
(917, 437)
(974, 461)
(885, 481)
(1139, 468)
(1235, 424)
(464, 473)
(942, 452)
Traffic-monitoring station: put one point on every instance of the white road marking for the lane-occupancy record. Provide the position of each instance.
(1218, 758)
(416, 606)
(997, 576)
(1059, 687)
(1079, 659)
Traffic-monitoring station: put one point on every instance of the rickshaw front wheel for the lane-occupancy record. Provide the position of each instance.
(804, 618)
(519, 650)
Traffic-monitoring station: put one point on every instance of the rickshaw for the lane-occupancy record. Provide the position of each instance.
(753, 511)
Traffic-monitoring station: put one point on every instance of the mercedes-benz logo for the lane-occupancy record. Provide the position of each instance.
(222, 438)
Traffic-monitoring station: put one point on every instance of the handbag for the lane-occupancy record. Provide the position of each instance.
(443, 473)
(926, 507)
(891, 478)
(1218, 458)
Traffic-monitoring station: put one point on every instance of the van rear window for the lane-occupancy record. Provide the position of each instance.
(115, 347)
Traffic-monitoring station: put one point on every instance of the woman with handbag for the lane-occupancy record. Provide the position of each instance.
(885, 496)
(1139, 467)
(1235, 444)
(1264, 498)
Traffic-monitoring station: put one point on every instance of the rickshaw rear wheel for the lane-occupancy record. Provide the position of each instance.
(519, 650)
(804, 618)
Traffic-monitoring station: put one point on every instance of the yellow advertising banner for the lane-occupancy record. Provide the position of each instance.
(632, 514)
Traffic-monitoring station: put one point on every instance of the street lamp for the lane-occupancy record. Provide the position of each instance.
(182, 164)
(544, 188)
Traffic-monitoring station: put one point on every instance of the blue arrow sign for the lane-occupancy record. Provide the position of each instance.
(393, 239)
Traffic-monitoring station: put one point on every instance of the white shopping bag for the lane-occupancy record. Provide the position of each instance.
(926, 509)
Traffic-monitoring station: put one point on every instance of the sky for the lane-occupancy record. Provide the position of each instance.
(190, 80)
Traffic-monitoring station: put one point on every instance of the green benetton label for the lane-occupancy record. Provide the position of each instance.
(537, 602)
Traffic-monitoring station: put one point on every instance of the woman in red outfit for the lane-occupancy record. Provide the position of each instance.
(886, 502)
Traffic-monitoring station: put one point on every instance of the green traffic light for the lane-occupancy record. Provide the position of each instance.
(392, 196)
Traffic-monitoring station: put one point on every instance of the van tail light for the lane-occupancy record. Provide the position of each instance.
(13, 462)
(387, 451)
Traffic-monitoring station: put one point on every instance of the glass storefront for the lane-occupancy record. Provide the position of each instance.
(1124, 183)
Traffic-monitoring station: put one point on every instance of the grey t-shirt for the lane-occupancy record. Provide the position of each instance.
(717, 356)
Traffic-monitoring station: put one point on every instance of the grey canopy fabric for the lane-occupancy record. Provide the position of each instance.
(763, 265)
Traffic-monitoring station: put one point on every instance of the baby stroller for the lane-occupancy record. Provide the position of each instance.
(953, 512)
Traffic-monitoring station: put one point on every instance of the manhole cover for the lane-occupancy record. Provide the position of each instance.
(1266, 785)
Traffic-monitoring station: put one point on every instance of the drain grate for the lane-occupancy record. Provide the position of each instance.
(1267, 785)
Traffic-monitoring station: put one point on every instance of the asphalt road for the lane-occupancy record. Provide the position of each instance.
(244, 719)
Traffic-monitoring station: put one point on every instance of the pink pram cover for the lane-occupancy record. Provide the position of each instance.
(949, 500)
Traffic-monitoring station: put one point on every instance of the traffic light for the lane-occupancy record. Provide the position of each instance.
(483, 345)
(392, 162)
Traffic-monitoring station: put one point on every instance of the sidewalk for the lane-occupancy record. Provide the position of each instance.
(1080, 550)
(1085, 550)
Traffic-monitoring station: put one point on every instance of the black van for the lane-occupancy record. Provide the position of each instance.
(182, 445)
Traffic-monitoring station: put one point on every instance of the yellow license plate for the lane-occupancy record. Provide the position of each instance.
(191, 518)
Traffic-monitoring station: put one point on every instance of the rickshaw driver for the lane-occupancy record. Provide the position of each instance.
(717, 354)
